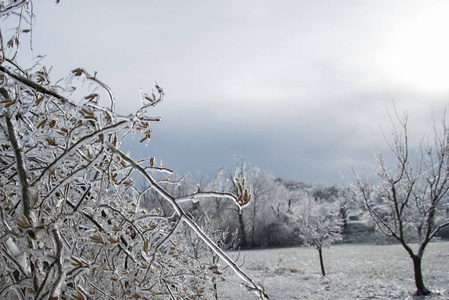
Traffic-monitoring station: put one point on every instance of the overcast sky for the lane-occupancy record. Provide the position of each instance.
(295, 87)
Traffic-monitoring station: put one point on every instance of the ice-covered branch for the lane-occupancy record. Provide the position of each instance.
(20, 165)
(80, 71)
(196, 196)
(56, 289)
(36, 87)
(12, 6)
(156, 249)
(80, 143)
(185, 218)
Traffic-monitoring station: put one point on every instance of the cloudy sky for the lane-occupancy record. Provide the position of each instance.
(295, 87)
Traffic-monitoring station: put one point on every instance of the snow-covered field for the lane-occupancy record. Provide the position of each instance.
(353, 272)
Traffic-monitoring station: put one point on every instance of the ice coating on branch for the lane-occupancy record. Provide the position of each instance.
(70, 205)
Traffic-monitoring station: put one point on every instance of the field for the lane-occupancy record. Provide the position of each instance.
(353, 272)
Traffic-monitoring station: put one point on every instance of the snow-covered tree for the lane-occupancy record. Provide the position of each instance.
(263, 191)
(319, 224)
(223, 238)
(71, 221)
(404, 202)
(222, 212)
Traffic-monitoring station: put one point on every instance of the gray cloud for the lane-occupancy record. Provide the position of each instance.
(296, 87)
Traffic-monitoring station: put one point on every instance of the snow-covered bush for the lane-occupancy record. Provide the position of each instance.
(71, 221)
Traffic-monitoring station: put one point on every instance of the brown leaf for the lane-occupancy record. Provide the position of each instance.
(23, 222)
(77, 72)
(42, 123)
(146, 245)
(77, 295)
(51, 141)
(113, 240)
(52, 123)
(39, 100)
(91, 97)
(97, 238)
(8, 102)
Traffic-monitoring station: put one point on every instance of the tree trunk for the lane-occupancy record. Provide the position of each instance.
(242, 229)
(344, 216)
(253, 225)
(421, 289)
(320, 252)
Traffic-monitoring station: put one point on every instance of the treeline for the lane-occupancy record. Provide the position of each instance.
(265, 221)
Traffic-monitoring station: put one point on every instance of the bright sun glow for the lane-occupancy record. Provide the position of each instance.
(417, 49)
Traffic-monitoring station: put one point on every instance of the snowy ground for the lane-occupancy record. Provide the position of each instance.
(353, 272)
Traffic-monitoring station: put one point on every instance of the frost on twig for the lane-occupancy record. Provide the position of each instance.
(403, 204)
(70, 203)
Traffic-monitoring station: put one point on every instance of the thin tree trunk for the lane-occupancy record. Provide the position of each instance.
(242, 229)
(421, 289)
(253, 225)
(320, 252)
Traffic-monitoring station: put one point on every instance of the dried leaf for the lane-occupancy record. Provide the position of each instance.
(42, 123)
(149, 99)
(39, 100)
(240, 188)
(76, 261)
(77, 295)
(91, 97)
(23, 222)
(97, 238)
(77, 72)
(52, 123)
(8, 102)
(146, 245)
(79, 262)
(51, 141)
(62, 131)
(113, 240)
(90, 117)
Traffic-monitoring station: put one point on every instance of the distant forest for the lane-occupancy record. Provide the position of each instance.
(265, 221)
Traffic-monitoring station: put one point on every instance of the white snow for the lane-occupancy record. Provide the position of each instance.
(353, 272)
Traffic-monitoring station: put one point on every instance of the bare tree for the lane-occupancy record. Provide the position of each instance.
(72, 223)
(319, 224)
(263, 190)
(411, 189)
